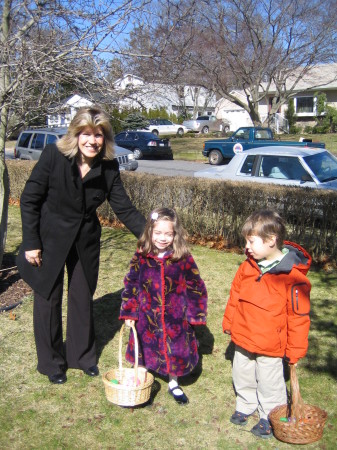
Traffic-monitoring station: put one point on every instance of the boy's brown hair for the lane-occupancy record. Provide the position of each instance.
(265, 224)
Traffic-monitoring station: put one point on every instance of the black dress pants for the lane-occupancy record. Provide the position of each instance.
(79, 351)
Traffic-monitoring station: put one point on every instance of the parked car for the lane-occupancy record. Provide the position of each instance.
(219, 150)
(165, 127)
(144, 143)
(31, 143)
(290, 166)
(205, 124)
(126, 158)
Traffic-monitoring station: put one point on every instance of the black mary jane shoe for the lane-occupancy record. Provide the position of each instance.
(181, 399)
(58, 378)
(92, 371)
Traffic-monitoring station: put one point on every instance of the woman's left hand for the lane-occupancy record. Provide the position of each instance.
(34, 257)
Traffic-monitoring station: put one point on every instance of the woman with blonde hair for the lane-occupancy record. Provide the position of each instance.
(60, 228)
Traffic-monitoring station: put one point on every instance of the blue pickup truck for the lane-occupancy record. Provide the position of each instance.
(245, 138)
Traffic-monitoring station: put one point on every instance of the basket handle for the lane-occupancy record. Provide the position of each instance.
(136, 351)
(297, 404)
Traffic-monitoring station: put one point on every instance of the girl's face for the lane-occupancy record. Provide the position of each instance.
(262, 249)
(90, 143)
(162, 234)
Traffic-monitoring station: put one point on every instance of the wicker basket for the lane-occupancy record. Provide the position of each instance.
(134, 385)
(305, 422)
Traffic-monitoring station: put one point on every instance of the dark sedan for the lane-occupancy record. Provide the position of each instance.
(144, 144)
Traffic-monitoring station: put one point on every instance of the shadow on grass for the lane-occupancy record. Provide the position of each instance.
(107, 324)
(322, 355)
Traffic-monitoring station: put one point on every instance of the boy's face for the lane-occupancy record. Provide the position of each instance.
(262, 249)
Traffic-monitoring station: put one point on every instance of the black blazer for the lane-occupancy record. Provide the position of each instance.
(58, 209)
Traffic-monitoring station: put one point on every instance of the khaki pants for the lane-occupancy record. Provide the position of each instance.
(258, 381)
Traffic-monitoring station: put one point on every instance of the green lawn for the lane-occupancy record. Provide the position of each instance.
(35, 414)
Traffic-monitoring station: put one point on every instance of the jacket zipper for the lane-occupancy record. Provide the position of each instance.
(295, 299)
(162, 273)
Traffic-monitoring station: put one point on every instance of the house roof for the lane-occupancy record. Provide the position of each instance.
(323, 76)
(160, 94)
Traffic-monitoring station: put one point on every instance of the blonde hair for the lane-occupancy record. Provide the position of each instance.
(179, 246)
(92, 117)
(265, 224)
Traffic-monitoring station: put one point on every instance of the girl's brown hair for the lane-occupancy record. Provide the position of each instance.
(265, 224)
(179, 246)
(92, 117)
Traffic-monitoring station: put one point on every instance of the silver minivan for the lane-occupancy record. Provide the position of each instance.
(32, 141)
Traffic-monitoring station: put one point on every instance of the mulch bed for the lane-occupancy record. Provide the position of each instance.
(12, 288)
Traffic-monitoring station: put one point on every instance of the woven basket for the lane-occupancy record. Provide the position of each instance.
(305, 422)
(128, 392)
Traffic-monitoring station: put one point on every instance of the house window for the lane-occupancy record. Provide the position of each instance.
(304, 105)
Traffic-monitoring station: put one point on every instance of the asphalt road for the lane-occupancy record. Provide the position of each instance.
(170, 168)
(159, 166)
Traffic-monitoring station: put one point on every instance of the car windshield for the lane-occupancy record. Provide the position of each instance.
(323, 165)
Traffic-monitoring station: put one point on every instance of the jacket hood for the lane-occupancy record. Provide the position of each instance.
(297, 258)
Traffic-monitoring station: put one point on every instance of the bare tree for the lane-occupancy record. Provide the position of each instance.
(46, 45)
(257, 47)
(50, 47)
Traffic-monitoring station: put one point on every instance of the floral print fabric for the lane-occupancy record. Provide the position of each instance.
(166, 298)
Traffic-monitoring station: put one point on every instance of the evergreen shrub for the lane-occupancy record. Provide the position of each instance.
(307, 129)
(212, 209)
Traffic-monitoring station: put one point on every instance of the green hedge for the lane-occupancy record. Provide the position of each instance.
(210, 209)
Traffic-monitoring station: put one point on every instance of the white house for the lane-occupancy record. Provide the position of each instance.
(234, 114)
(67, 111)
(135, 93)
(322, 78)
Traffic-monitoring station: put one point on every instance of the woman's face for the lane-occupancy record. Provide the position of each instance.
(162, 234)
(90, 143)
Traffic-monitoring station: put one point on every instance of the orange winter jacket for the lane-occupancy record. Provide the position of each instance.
(268, 313)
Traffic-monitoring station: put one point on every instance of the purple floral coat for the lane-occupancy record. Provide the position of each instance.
(166, 298)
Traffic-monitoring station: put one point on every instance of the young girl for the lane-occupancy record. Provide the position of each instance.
(166, 297)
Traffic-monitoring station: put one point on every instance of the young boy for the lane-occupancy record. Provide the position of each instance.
(267, 316)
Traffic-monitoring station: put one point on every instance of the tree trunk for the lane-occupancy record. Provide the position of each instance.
(4, 180)
(4, 198)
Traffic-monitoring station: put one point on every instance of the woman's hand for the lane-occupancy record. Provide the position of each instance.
(34, 257)
(129, 323)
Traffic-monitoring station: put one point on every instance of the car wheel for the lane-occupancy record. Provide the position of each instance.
(215, 158)
(156, 132)
(138, 154)
(180, 132)
(205, 130)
